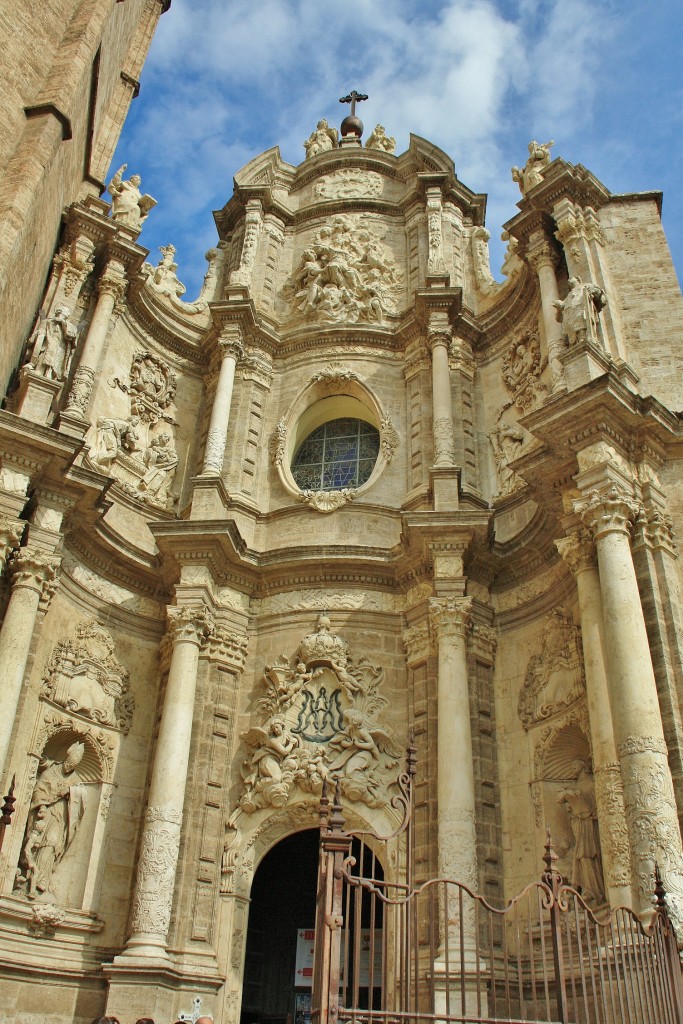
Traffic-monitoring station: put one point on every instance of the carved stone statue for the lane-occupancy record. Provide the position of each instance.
(269, 772)
(506, 441)
(480, 258)
(57, 808)
(579, 803)
(129, 207)
(163, 278)
(532, 172)
(113, 436)
(161, 460)
(379, 139)
(578, 313)
(321, 140)
(358, 750)
(52, 345)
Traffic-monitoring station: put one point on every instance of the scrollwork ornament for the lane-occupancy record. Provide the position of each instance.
(278, 443)
(609, 793)
(388, 438)
(190, 623)
(417, 643)
(577, 551)
(328, 501)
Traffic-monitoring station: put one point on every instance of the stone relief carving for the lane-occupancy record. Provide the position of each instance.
(252, 230)
(114, 436)
(151, 909)
(522, 369)
(555, 677)
(83, 675)
(129, 207)
(56, 810)
(45, 919)
(537, 162)
(479, 240)
(328, 501)
(388, 438)
(321, 140)
(346, 275)
(435, 262)
(378, 139)
(506, 440)
(151, 386)
(444, 442)
(332, 375)
(318, 720)
(578, 800)
(52, 344)
(578, 313)
(163, 280)
(349, 183)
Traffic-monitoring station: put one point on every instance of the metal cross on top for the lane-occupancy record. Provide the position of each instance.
(353, 98)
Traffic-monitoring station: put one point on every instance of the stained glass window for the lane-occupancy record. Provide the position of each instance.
(341, 453)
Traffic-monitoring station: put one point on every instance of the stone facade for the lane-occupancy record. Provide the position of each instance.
(198, 629)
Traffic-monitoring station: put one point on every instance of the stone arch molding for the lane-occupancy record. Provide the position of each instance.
(332, 392)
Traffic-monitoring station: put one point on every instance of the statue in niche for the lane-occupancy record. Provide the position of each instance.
(129, 207)
(52, 345)
(346, 275)
(532, 172)
(506, 441)
(579, 312)
(318, 718)
(114, 436)
(379, 139)
(56, 811)
(321, 140)
(579, 804)
(161, 460)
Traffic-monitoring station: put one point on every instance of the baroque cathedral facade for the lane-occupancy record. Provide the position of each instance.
(356, 491)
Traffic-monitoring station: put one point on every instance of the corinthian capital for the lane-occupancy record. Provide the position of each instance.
(230, 343)
(440, 335)
(540, 252)
(35, 570)
(578, 551)
(190, 623)
(113, 281)
(611, 512)
(450, 616)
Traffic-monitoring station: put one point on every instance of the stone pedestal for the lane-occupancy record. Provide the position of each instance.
(35, 396)
(583, 364)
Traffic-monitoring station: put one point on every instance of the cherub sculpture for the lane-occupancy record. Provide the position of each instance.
(357, 753)
(379, 139)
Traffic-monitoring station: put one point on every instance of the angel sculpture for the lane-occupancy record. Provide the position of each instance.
(321, 140)
(379, 139)
(269, 772)
(129, 207)
(360, 747)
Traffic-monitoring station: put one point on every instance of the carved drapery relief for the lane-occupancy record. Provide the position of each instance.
(346, 275)
(151, 909)
(52, 344)
(349, 183)
(522, 369)
(129, 207)
(579, 312)
(578, 801)
(84, 676)
(555, 677)
(318, 719)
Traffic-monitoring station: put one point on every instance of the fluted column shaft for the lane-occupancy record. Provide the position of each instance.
(217, 436)
(444, 447)
(579, 553)
(111, 288)
(543, 258)
(651, 812)
(450, 618)
(34, 575)
(153, 896)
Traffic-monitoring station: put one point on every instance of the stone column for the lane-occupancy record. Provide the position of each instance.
(191, 625)
(578, 551)
(230, 344)
(444, 446)
(111, 287)
(651, 812)
(34, 577)
(543, 258)
(450, 619)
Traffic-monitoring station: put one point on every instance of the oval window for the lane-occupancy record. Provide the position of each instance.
(340, 454)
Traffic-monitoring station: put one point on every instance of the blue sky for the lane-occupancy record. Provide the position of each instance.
(226, 79)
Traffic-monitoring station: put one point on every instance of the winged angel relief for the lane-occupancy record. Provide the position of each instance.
(318, 721)
(346, 275)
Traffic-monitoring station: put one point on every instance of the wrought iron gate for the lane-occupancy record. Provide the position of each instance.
(390, 952)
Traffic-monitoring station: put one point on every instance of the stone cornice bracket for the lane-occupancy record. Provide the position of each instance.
(228, 647)
(438, 305)
(35, 570)
(450, 617)
(611, 512)
(191, 623)
(577, 551)
(417, 643)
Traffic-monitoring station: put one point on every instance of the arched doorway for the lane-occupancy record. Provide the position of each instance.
(277, 984)
(282, 902)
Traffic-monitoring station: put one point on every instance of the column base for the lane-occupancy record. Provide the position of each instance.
(72, 424)
(445, 485)
(210, 498)
(141, 986)
(457, 990)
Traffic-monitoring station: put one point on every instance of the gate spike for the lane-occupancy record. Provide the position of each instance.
(551, 876)
(336, 819)
(660, 891)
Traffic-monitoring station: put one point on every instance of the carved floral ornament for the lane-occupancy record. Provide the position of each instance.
(347, 395)
(522, 369)
(318, 718)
